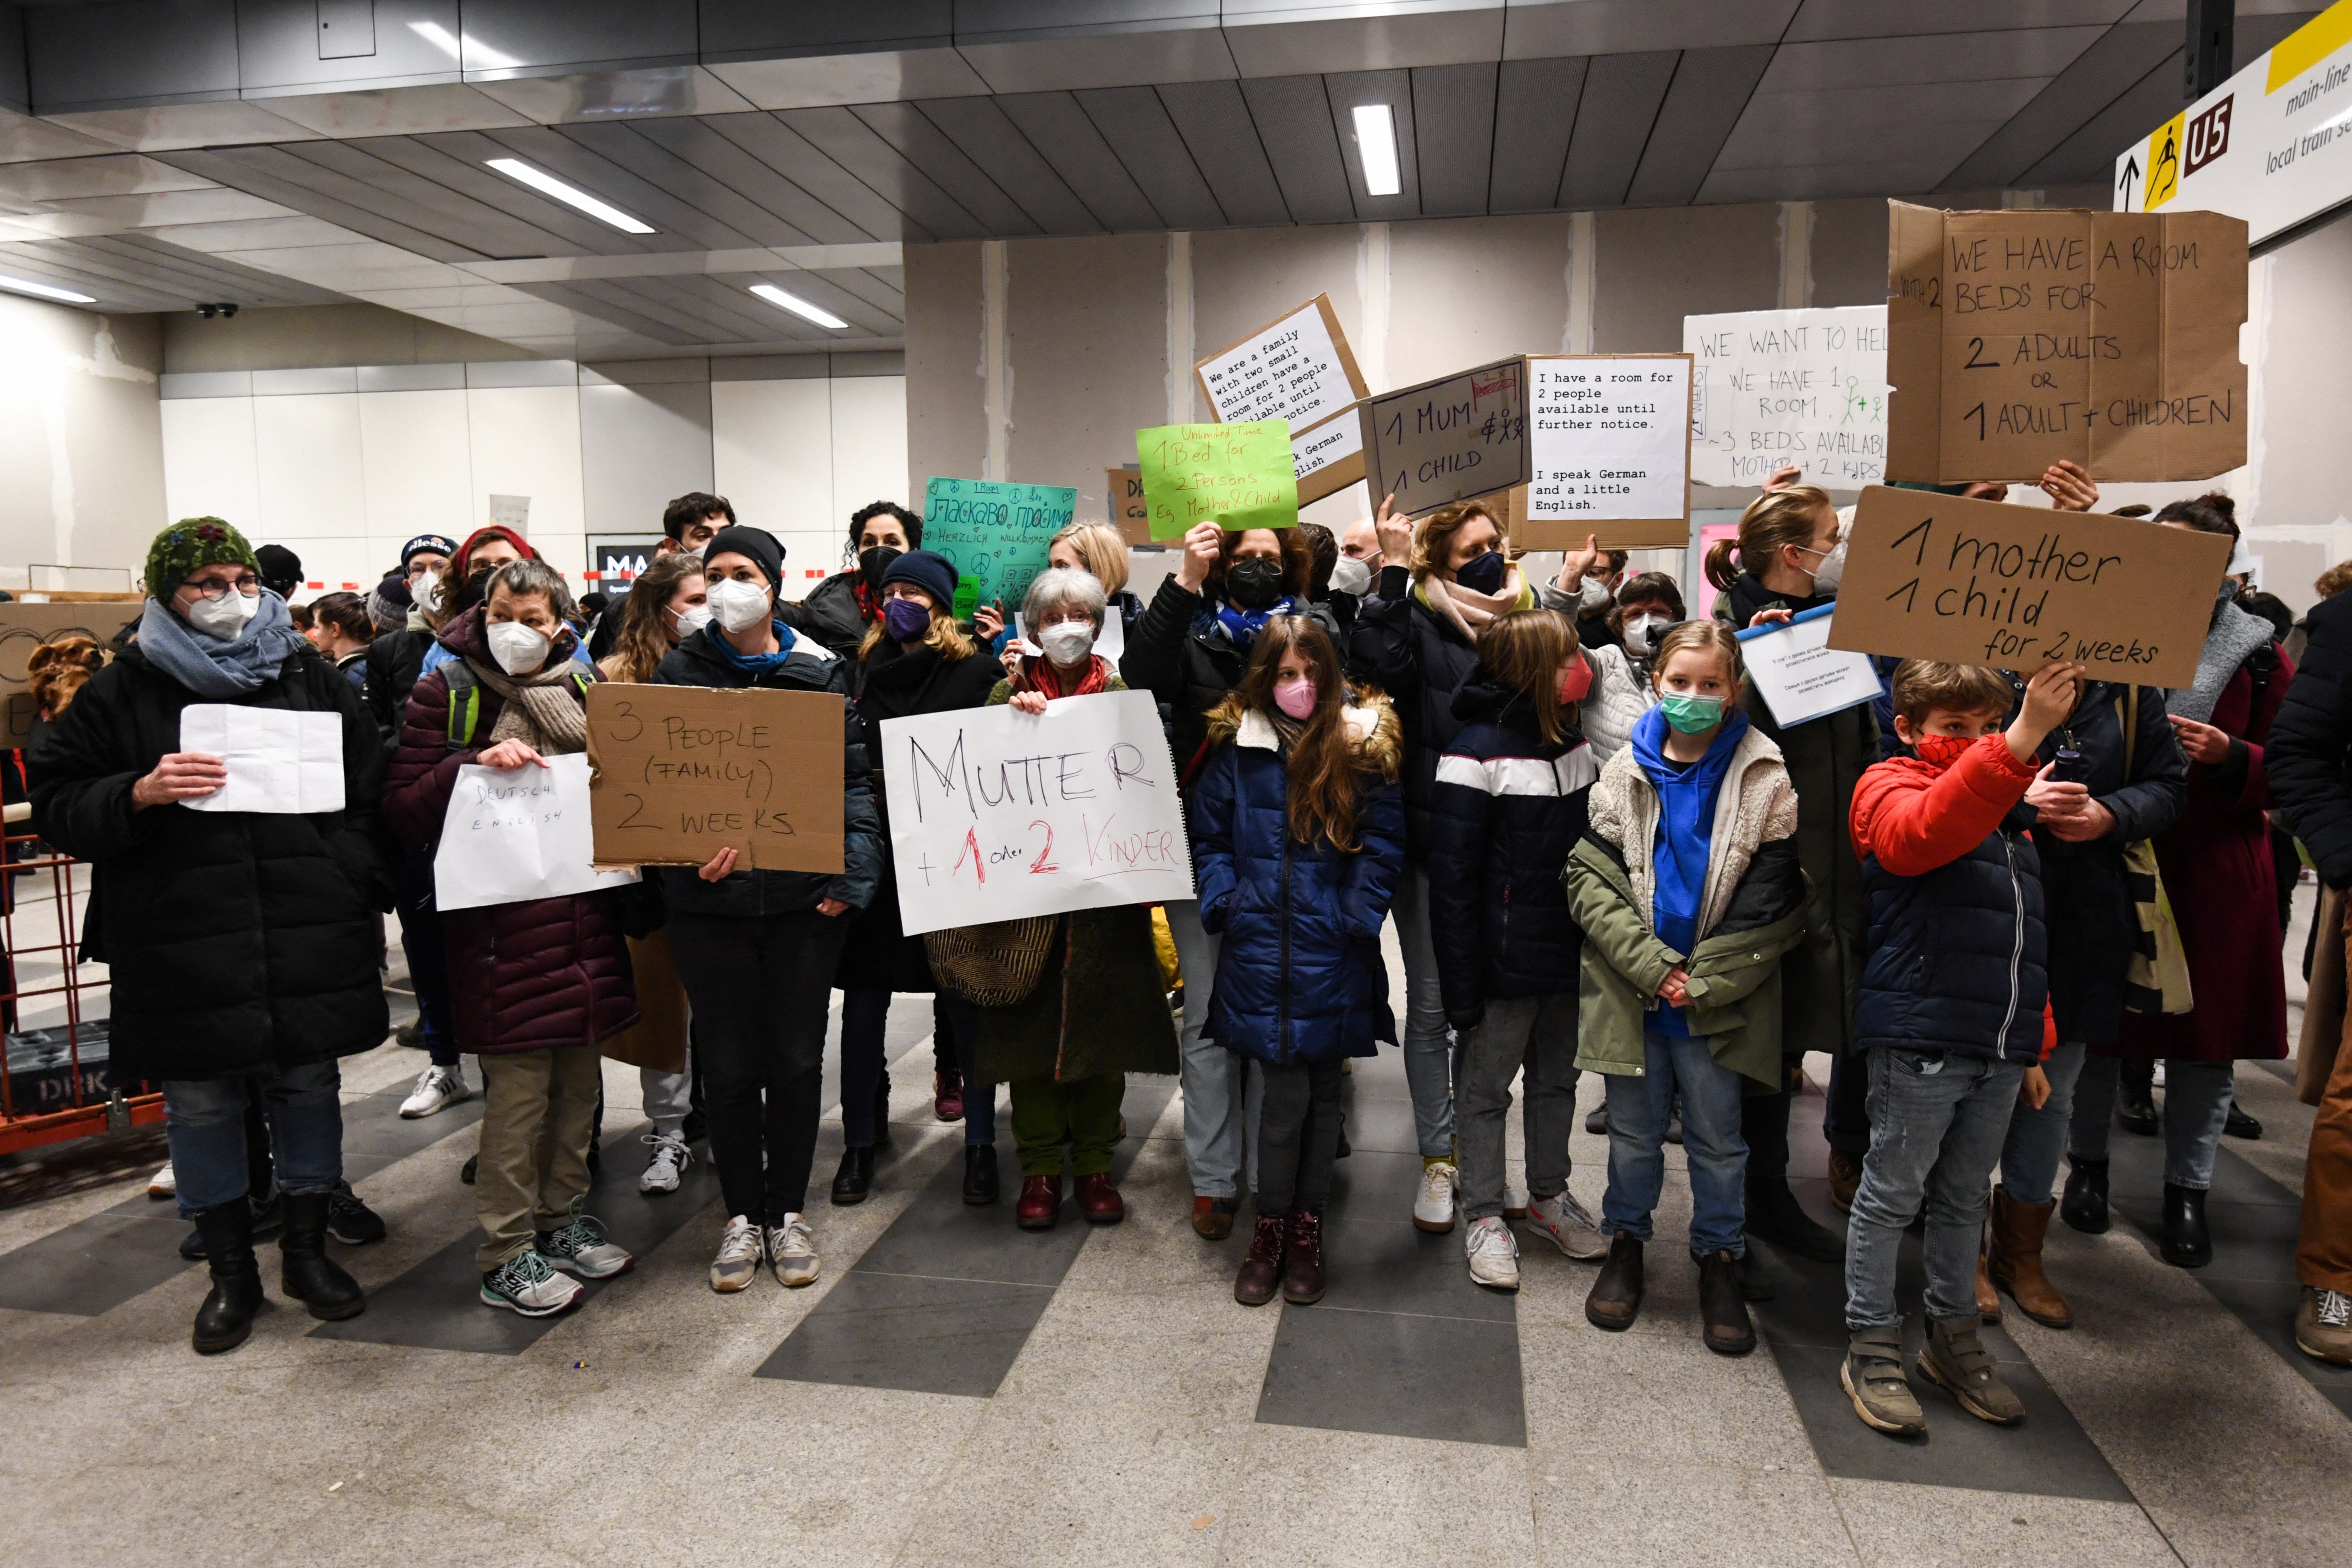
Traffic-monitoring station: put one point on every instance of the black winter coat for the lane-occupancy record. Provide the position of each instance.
(393, 663)
(2308, 753)
(239, 942)
(1187, 666)
(830, 613)
(1506, 807)
(1421, 660)
(753, 895)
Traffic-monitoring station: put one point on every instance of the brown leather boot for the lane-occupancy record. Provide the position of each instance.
(1616, 1297)
(1988, 1299)
(1261, 1273)
(2016, 1260)
(1302, 1263)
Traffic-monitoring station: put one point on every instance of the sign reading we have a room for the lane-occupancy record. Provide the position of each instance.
(679, 773)
(1973, 582)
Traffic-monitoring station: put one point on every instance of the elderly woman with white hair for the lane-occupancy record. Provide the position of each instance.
(1098, 1013)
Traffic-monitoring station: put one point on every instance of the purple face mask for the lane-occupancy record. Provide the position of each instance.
(904, 620)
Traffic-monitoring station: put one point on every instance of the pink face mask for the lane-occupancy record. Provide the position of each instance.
(1295, 697)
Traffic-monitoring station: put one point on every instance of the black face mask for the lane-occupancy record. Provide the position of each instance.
(1484, 574)
(1254, 585)
(875, 561)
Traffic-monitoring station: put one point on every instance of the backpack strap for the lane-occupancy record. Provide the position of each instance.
(465, 704)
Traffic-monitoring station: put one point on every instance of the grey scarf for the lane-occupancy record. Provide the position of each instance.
(2235, 636)
(217, 670)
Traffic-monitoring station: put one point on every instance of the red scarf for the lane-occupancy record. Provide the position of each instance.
(1039, 675)
(868, 609)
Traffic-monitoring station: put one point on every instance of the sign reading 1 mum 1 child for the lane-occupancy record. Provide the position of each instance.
(1609, 444)
(995, 534)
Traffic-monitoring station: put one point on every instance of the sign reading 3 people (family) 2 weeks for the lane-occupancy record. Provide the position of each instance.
(679, 773)
(1609, 444)
(995, 534)
(1805, 389)
(997, 814)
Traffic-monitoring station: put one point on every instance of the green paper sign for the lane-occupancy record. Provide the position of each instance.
(1236, 476)
(995, 534)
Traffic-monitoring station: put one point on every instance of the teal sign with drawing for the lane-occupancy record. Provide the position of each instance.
(995, 534)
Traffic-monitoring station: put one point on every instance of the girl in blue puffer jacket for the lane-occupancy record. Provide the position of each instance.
(1298, 837)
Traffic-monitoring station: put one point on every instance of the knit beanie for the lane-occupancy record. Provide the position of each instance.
(757, 543)
(191, 544)
(926, 570)
(280, 569)
(388, 605)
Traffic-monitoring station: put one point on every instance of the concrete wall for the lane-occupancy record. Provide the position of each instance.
(81, 444)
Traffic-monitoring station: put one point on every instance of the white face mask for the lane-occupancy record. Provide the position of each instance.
(225, 617)
(1349, 575)
(1593, 598)
(1640, 630)
(739, 606)
(519, 648)
(1831, 568)
(427, 592)
(1066, 642)
(692, 619)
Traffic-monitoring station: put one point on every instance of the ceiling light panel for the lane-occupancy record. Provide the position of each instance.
(548, 184)
(46, 290)
(1376, 145)
(799, 307)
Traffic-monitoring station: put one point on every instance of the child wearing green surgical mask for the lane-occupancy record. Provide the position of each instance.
(1688, 889)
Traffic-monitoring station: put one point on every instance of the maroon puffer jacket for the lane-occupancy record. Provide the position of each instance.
(551, 971)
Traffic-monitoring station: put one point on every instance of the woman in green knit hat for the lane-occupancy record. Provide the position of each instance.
(242, 943)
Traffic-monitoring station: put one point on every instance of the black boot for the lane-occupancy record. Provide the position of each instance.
(226, 1316)
(979, 1173)
(268, 1219)
(2186, 1243)
(2239, 1124)
(304, 1272)
(1723, 1311)
(2084, 1206)
(1774, 1213)
(856, 1177)
(2136, 1099)
(1615, 1299)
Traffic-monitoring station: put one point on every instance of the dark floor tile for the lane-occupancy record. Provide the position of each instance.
(96, 1264)
(1376, 1184)
(1400, 1375)
(1388, 1265)
(925, 1335)
(2268, 1308)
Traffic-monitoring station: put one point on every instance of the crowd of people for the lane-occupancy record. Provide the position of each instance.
(1995, 901)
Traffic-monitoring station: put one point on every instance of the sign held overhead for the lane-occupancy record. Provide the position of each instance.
(1775, 388)
(1235, 476)
(1449, 439)
(1298, 368)
(1608, 443)
(996, 534)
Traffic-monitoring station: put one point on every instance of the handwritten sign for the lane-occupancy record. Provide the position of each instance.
(1298, 368)
(997, 814)
(511, 835)
(679, 773)
(1770, 388)
(1130, 513)
(1448, 440)
(2018, 338)
(1609, 441)
(1973, 582)
(995, 534)
(1236, 476)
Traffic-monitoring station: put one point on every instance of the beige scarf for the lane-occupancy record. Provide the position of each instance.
(1469, 611)
(545, 711)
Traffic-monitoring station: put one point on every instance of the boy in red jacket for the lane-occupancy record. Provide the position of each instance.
(1951, 1016)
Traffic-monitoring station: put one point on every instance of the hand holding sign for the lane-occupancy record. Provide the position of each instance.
(685, 775)
(1236, 476)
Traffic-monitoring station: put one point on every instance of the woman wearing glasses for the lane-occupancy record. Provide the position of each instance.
(243, 942)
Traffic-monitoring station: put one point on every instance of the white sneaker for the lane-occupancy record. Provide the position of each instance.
(163, 1184)
(1494, 1254)
(1432, 1210)
(670, 1161)
(793, 1251)
(437, 1088)
(1572, 1230)
(582, 1248)
(526, 1284)
(1515, 1200)
(738, 1256)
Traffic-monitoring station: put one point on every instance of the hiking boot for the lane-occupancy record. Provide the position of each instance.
(2015, 1262)
(1721, 1309)
(226, 1316)
(1845, 1179)
(1615, 1299)
(2323, 1325)
(1261, 1271)
(947, 1096)
(1988, 1299)
(1872, 1378)
(1955, 1357)
(1213, 1218)
(1775, 1215)
(2186, 1244)
(2083, 1206)
(1302, 1259)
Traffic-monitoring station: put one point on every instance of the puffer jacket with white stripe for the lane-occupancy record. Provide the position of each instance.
(1507, 807)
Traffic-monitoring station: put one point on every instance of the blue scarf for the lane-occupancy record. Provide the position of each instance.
(1240, 626)
(1678, 859)
(756, 663)
(221, 671)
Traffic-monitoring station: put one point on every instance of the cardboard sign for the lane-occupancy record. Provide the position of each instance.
(511, 835)
(997, 814)
(1975, 581)
(1296, 368)
(2018, 338)
(995, 534)
(1329, 457)
(1236, 476)
(1799, 675)
(1771, 388)
(679, 772)
(24, 627)
(1123, 494)
(1609, 442)
(1448, 440)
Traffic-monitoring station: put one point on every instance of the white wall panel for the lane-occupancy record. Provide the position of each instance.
(869, 443)
(333, 563)
(208, 461)
(526, 442)
(772, 456)
(641, 446)
(417, 469)
(306, 453)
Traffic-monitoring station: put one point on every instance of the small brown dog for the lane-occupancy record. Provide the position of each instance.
(60, 668)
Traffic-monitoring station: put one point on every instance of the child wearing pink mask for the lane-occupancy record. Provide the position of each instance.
(1299, 839)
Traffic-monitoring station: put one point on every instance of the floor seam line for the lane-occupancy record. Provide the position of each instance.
(947, 1279)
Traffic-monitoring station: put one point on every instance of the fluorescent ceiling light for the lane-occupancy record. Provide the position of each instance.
(440, 37)
(799, 307)
(549, 185)
(47, 291)
(1376, 145)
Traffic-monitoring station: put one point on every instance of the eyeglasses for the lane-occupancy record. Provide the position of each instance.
(906, 591)
(248, 584)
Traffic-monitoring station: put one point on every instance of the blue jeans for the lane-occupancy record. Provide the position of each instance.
(1937, 1123)
(955, 1034)
(1639, 1108)
(204, 1122)
(1428, 1043)
(2196, 1097)
(2029, 1156)
(429, 964)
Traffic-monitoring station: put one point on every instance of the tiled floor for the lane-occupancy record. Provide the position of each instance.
(955, 1391)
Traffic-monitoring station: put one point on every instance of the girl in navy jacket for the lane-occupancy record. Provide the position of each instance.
(1298, 835)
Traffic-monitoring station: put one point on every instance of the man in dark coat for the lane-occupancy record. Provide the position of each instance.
(242, 943)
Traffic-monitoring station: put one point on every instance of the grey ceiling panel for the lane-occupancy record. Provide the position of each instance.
(1820, 19)
(453, 160)
(1827, 183)
(129, 51)
(357, 174)
(1843, 127)
(1552, 29)
(751, 29)
(1943, 56)
(275, 175)
(852, 143)
(980, 129)
(645, 92)
(1535, 114)
(1136, 125)
(1454, 137)
(925, 146)
(1063, 135)
(884, 288)
(1216, 126)
(588, 300)
(1293, 115)
(1345, 93)
(1710, 89)
(1792, 141)
(1283, 37)
(1619, 103)
(520, 37)
(118, 175)
(793, 157)
(278, 44)
(2096, 78)
(700, 143)
(1191, 51)
(2089, 155)
(626, 146)
(681, 224)
(156, 275)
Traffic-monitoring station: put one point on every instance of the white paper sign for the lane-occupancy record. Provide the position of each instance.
(996, 815)
(1608, 437)
(1333, 441)
(511, 835)
(1290, 370)
(1774, 388)
(279, 762)
(1799, 676)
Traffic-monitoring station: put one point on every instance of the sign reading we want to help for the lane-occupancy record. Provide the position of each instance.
(1802, 388)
